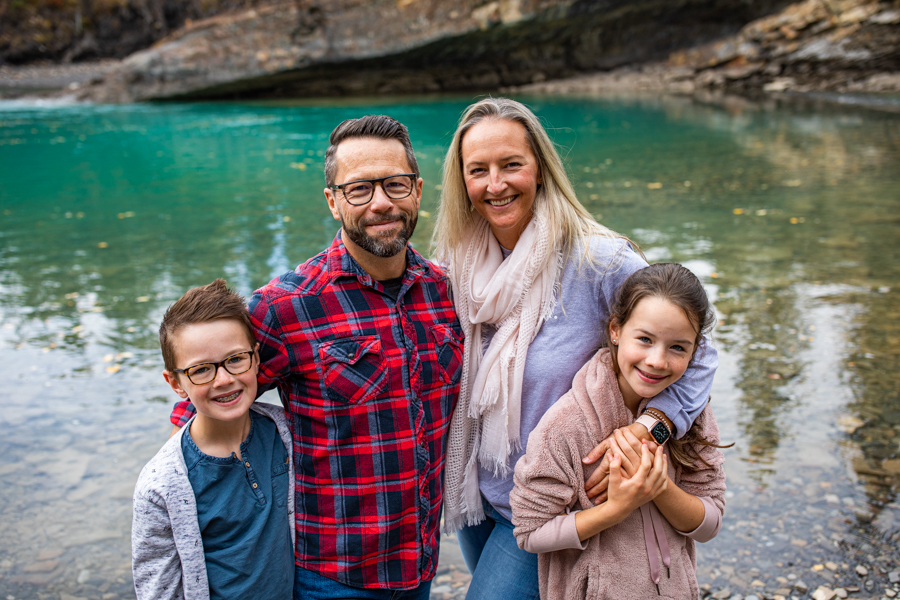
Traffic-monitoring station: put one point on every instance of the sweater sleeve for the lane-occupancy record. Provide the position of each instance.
(712, 522)
(683, 400)
(559, 533)
(545, 485)
(154, 558)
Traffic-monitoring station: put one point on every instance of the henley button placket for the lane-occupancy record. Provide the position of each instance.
(251, 477)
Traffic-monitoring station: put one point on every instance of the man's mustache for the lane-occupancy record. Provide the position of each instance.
(387, 219)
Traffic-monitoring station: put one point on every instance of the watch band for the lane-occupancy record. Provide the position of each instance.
(647, 421)
(656, 427)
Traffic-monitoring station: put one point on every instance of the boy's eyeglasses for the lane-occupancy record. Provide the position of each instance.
(206, 372)
(361, 191)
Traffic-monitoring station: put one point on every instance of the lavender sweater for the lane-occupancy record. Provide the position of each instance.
(622, 562)
(571, 336)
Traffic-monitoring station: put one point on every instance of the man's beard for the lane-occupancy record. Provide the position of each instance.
(383, 248)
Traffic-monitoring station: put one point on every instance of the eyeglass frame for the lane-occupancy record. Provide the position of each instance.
(380, 180)
(221, 364)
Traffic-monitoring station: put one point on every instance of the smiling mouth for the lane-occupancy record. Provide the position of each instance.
(498, 202)
(650, 378)
(228, 398)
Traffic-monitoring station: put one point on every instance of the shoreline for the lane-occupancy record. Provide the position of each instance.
(50, 79)
(41, 81)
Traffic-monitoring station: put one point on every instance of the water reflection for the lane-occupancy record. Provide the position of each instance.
(789, 213)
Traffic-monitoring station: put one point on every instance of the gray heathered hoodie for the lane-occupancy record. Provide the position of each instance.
(166, 549)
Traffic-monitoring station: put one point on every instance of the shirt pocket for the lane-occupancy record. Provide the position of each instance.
(449, 351)
(353, 369)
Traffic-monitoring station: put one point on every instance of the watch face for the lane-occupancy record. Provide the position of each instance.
(660, 433)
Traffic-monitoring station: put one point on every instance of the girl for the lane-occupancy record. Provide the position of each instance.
(659, 501)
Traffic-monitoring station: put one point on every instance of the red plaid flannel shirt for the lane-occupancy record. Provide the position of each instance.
(370, 385)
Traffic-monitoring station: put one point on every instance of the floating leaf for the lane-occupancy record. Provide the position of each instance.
(72, 296)
(424, 214)
(142, 299)
(286, 219)
(793, 182)
(654, 186)
(738, 211)
(761, 212)
(298, 165)
(124, 355)
(77, 328)
(109, 358)
(113, 368)
(126, 215)
(794, 220)
(103, 245)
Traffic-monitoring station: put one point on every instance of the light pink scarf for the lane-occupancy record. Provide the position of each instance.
(515, 295)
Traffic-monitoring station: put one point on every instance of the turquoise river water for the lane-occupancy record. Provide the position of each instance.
(790, 214)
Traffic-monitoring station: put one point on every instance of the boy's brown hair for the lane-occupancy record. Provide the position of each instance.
(200, 305)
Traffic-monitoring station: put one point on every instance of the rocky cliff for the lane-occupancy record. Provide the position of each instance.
(811, 46)
(78, 30)
(304, 48)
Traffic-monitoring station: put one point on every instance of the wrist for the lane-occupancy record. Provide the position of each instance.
(657, 428)
(660, 415)
(641, 431)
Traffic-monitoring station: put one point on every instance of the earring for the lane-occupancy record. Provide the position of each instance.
(615, 341)
(471, 207)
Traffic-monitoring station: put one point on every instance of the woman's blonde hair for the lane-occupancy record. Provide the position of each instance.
(569, 221)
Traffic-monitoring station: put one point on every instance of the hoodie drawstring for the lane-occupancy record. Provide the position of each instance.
(655, 538)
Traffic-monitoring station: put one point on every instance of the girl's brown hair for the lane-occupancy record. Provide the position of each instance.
(675, 283)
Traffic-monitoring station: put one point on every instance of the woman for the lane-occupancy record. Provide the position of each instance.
(533, 277)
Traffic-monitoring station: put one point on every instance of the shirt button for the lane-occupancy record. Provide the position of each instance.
(255, 486)
(246, 464)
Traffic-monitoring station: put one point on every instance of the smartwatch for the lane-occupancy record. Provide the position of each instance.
(656, 427)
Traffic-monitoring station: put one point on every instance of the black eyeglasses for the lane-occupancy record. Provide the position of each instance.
(206, 372)
(361, 191)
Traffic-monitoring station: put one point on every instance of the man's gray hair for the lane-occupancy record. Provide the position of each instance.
(380, 127)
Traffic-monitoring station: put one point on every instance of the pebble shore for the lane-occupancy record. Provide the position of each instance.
(40, 79)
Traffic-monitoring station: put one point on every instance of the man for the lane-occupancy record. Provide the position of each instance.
(363, 344)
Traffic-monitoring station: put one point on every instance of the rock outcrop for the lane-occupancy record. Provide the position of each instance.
(303, 48)
(79, 30)
(810, 46)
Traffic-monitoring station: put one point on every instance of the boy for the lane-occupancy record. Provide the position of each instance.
(213, 510)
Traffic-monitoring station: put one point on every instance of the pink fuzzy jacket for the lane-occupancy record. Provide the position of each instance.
(617, 563)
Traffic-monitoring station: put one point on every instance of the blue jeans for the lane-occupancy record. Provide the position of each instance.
(312, 586)
(500, 569)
